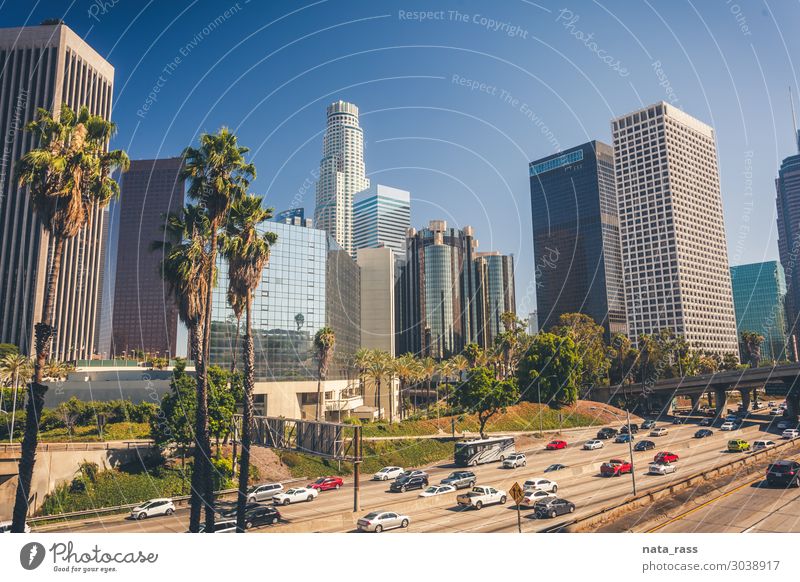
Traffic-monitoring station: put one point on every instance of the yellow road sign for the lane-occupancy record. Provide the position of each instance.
(516, 493)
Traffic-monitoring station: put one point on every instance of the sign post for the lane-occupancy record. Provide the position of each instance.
(517, 494)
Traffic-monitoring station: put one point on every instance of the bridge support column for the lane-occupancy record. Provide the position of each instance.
(695, 400)
(792, 406)
(721, 399)
(755, 396)
(745, 392)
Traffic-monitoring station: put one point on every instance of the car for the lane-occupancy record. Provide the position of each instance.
(593, 444)
(378, 521)
(435, 490)
(261, 515)
(5, 527)
(657, 432)
(648, 424)
(710, 413)
(554, 467)
(731, 418)
(677, 420)
(294, 495)
(480, 496)
(229, 510)
(634, 428)
(761, 445)
(623, 438)
(540, 485)
(776, 411)
(515, 460)
(615, 468)
(707, 422)
(784, 424)
(703, 433)
(153, 507)
(553, 507)
(412, 473)
(607, 433)
(555, 445)
(534, 495)
(387, 474)
(326, 483)
(771, 404)
(738, 445)
(728, 426)
(644, 446)
(220, 526)
(406, 483)
(460, 479)
(791, 433)
(785, 473)
(662, 468)
(665, 457)
(263, 492)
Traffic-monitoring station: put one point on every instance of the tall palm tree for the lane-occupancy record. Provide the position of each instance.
(361, 361)
(68, 176)
(405, 369)
(379, 368)
(15, 367)
(218, 175)
(429, 369)
(324, 343)
(247, 252)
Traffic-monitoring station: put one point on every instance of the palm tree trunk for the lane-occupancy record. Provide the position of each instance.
(196, 500)
(380, 400)
(235, 343)
(318, 410)
(247, 421)
(391, 400)
(43, 337)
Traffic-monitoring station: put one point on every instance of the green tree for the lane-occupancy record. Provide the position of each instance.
(588, 337)
(476, 355)
(324, 344)
(173, 424)
(729, 362)
(484, 396)
(550, 370)
(68, 177)
(8, 350)
(751, 347)
(622, 360)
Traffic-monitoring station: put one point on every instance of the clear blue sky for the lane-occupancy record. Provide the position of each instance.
(268, 69)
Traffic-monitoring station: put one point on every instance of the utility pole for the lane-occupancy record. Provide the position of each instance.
(630, 443)
(356, 469)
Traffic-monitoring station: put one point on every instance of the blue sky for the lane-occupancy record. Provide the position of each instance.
(454, 105)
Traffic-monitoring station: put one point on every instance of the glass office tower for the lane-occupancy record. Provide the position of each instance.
(788, 205)
(578, 261)
(310, 282)
(759, 290)
(494, 294)
(381, 217)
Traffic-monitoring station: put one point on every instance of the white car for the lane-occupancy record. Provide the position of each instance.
(515, 460)
(294, 495)
(728, 426)
(761, 445)
(540, 485)
(791, 433)
(533, 495)
(776, 411)
(388, 473)
(593, 444)
(661, 431)
(378, 521)
(152, 508)
(434, 490)
(263, 492)
(662, 468)
(5, 527)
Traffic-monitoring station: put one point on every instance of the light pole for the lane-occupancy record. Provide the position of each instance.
(630, 441)
(539, 393)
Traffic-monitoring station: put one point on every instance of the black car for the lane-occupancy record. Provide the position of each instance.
(703, 433)
(648, 424)
(261, 515)
(624, 429)
(707, 422)
(553, 507)
(406, 483)
(460, 479)
(229, 509)
(784, 473)
(555, 467)
(644, 446)
(606, 433)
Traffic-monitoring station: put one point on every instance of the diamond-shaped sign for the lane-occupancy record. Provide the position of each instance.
(516, 493)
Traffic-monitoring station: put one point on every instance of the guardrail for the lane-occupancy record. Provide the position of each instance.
(87, 446)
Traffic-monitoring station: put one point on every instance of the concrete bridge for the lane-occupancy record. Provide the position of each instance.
(779, 381)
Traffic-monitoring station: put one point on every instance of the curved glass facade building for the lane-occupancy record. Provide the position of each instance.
(758, 299)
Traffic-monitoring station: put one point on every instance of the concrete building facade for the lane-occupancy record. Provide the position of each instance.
(377, 298)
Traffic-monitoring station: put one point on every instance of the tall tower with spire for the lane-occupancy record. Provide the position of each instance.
(341, 174)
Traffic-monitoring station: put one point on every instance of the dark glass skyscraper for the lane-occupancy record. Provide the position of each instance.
(788, 203)
(493, 282)
(578, 261)
(758, 299)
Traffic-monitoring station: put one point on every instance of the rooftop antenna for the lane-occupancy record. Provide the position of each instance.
(794, 120)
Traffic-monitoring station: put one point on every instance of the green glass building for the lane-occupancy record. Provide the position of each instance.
(759, 291)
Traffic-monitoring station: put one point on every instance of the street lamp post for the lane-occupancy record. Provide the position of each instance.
(630, 442)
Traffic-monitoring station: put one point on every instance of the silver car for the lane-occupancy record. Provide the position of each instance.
(263, 492)
(378, 521)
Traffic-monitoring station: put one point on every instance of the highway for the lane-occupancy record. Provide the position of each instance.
(580, 482)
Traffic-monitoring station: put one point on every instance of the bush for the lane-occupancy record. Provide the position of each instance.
(352, 420)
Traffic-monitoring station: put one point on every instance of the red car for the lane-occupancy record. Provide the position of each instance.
(665, 457)
(555, 445)
(326, 483)
(615, 468)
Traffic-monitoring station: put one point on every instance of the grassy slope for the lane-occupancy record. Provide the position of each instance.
(119, 431)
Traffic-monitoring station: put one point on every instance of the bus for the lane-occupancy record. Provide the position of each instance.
(476, 452)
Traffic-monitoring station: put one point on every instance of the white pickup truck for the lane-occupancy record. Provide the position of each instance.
(480, 496)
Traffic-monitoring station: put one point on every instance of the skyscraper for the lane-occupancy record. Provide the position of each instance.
(377, 298)
(788, 202)
(672, 229)
(382, 218)
(493, 295)
(145, 316)
(46, 66)
(578, 261)
(341, 174)
(758, 298)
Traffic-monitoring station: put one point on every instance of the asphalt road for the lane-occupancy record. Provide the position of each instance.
(580, 483)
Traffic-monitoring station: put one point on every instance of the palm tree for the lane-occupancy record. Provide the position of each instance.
(247, 252)
(361, 361)
(69, 179)
(15, 367)
(378, 369)
(751, 341)
(324, 343)
(218, 175)
(429, 370)
(405, 367)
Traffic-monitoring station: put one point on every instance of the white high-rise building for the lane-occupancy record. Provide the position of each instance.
(341, 174)
(382, 216)
(671, 225)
